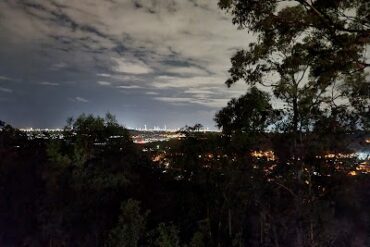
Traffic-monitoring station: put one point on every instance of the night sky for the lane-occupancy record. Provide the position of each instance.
(152, 62)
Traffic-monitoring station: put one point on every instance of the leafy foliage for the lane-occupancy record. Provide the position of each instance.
(131, 226)
(310, 52)
(251, 113)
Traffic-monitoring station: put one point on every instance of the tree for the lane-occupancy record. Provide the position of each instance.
(167, 236)
(87, 178)
(287, 57)
(130, 228)
(87, 133)
(337, 30)
(311, 54)
(251, 113)
(306, 50)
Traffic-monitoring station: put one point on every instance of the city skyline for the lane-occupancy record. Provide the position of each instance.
(139, 128)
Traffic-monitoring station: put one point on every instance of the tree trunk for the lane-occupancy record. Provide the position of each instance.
(298, 164)
(230, 226)
(276, 238)
(262, 220)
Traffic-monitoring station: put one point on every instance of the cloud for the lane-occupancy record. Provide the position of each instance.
(104, 83)
(6, 90)
(5, 78)
(151, 93)
(184, 82)
(58, 66)
(162, 49)
(81, 99)
(212, 103)
(131, 67)
(200, 91)
(186, 71)
(195, 31)
(46, 83)
(129, 86)
(104, 75)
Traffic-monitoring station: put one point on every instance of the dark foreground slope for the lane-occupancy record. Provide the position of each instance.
(95, 187)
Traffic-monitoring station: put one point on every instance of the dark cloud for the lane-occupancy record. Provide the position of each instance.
(151, 62)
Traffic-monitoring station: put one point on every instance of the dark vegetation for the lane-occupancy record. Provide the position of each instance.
(95, 187)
